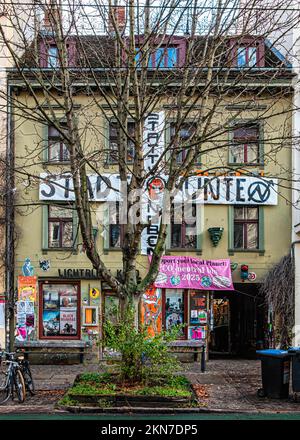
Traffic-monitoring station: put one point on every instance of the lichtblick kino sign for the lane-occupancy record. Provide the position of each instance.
(228, 190)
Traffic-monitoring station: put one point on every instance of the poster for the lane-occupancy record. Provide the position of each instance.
(51, 300)
(68, 321)
(151, 311)
(51, 322)
(197, 333)
(27, 288)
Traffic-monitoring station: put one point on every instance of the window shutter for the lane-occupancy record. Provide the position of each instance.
(44, 143)
(45, 243)
(168, 238)
(106, 227)
(75, 227)
(168, 139)
(261, 226)
(230, 227)
(199, 226)
(106, 140)
(230, 143)
(261, 144)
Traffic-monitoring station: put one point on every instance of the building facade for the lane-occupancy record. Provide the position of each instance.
(242, 225)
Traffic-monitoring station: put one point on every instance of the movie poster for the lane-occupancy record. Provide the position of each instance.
(68, 321)
(51, 322)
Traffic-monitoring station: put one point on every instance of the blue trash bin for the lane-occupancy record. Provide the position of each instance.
(275, 373)
(295, 355)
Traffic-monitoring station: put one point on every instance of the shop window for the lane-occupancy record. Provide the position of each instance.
(245, 145)
(183, 231)
(184, 139)
(246, 227)
(60, 226)
(59, 310)
(198, 316)
(174, 309)
(57, 149)
(113, 142)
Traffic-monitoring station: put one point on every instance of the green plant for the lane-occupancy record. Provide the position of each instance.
(66, 400)
(143, 359)
(86, 388)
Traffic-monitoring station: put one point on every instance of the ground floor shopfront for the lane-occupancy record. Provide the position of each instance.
(67, 312)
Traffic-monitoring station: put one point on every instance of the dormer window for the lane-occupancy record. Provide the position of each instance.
(52, 58)
(164, 53)
(164, 57)
(247, 52)
(247, 56)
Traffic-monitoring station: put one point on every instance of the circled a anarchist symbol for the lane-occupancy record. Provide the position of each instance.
(259, 192)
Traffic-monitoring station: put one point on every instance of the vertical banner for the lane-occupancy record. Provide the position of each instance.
(153, 146)
(151, 315)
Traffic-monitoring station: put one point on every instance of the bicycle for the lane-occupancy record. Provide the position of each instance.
(25, 370)
(11, 379)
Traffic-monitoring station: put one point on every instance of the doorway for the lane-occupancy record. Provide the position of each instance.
(220, 335)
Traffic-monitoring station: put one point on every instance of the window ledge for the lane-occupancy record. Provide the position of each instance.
(73, 250)
(246, 251)
(254, 165)
(197, 251)
(56, 163)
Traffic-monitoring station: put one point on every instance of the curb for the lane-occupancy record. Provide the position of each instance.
(147, 410)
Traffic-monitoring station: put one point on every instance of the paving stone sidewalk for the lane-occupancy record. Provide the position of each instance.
(230, 385)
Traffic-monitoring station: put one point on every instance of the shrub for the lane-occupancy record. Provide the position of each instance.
(143, 359)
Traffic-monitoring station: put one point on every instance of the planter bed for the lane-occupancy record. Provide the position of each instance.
(90, 391)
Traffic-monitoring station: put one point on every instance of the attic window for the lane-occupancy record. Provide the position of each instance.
(247, 52)
(246, 56)
(52, 57)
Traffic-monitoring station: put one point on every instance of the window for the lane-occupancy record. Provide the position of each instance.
(113, 142)
(183, 233)
(247, 52)
(246, 227)
(60, 227)
(163, 57)
(52, 57)
(59, 310)
(245, 145)
(246, 56)
(57, 150)
(174, 309)
(186, 132)
(116, 230)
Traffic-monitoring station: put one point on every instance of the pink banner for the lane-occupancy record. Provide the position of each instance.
(194, 273)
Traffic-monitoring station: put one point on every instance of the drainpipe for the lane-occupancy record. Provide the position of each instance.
(9, 214)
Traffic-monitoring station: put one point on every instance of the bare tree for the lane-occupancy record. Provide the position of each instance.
(116, 57)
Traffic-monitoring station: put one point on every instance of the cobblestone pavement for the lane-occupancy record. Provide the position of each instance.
(229, 385)
(232, 384)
